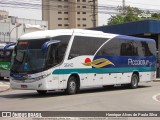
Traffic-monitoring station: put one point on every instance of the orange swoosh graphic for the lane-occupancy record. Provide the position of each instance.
(98, 63)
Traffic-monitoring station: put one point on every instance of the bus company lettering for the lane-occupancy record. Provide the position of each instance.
(138, 62)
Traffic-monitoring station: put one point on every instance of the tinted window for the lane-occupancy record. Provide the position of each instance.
(152, 48)
(61, 48)
(7, 56)
(111, 48)
(147, 50)
(138, 48)
(85, 46)
(129, 48)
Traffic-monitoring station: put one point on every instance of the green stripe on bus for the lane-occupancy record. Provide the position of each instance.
(103, 70)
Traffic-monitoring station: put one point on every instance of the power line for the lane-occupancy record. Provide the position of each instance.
(37, 5)
(49, 7)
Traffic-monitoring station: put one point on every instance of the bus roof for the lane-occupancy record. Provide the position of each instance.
(52, 33)
(123, 37)
(94, 33)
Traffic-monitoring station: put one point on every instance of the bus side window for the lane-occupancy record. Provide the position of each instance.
(146, 48)
(129, 49)
(61, 51)
(51, 56)
(126, 49)
(123, 49)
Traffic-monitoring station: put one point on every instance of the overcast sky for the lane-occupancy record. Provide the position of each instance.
(36, 13)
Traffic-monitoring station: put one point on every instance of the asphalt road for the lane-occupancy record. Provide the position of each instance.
(97, 99)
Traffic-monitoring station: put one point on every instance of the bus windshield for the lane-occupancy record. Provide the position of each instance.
(29, 56)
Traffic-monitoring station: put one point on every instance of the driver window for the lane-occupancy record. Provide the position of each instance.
(52, 58)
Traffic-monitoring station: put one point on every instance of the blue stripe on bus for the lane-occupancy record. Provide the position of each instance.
(103, 70)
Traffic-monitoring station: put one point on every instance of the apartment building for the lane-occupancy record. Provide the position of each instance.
(65, 14)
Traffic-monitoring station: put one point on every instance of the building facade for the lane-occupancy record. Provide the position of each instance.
(3, 14)
(65, 14)
(12, 27)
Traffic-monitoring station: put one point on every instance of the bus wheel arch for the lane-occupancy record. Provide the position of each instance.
(134, 80)
(73, 84)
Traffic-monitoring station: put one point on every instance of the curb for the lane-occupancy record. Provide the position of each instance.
(4, 86)
(5, 89)
(157, 80)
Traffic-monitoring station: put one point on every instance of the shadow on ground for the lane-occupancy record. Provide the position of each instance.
(32, 94)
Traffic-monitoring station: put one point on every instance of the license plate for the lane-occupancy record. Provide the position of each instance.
(23, 86)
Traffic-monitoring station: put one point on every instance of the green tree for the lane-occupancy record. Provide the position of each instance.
(128, 14)
(155, 16)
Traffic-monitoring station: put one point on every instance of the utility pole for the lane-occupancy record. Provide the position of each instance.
(123, 5)
(94, 12)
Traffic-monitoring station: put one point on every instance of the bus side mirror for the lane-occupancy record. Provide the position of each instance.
(7, 46)
(45, 46)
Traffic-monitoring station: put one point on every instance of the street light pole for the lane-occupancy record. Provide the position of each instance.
(12, 30)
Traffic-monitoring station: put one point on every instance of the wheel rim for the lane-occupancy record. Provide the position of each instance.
(134, 81)
(72, 86)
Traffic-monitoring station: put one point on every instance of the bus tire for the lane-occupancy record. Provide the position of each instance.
(134, 81)
(42, 92)
(72, 86)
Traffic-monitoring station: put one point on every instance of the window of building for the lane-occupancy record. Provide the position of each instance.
(84, 19)
(66, 25)
(59, 0)
(78, 0)
(66, 0)
(84, 25)
(78, 6)
(83, 6)
(59, 18)
(59, 6)
(83, 12)
(59, 24)
(59, 12)
(65, 12)
(65, 18)
(78, 18)
(65, 6)
(83, 0)
(78, 12)
(79, 25)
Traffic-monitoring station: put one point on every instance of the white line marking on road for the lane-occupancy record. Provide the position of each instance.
(155, 97)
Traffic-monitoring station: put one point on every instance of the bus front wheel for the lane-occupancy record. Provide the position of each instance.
(72, 86)
(134, 81)
(42, 92)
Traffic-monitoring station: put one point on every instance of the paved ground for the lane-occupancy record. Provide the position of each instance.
(144, 98)
(4, 85)
(97, 99)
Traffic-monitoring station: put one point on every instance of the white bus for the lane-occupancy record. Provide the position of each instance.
(74, 59)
